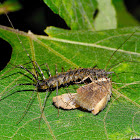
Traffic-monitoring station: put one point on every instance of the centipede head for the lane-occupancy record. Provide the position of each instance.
(42, 86)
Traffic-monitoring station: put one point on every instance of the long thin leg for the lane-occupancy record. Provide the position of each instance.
(57, 88)
(40, 71)
(48, 70)
(27, 107)
(15, 66)
(22, 68)
(63, 69)
(28, 71)
(13, 88)
(56, 72)
(44, 104)
(95, 66)
(57, 97)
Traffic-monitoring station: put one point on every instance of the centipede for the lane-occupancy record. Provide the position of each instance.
(59, 80)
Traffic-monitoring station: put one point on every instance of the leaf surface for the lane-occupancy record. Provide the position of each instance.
(71, 49)
(79, 14)
(79, 47)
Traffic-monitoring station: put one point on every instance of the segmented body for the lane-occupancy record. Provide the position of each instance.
(71, 77)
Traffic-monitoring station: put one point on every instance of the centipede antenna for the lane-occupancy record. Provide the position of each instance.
(19, 39)
(34, 63)
(120, 63)
(119, 48)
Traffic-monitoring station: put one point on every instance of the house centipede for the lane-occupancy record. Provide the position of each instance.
(62, 79)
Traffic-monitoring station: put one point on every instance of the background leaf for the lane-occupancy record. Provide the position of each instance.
(92, 14)
(106, 18)
(125, 19)
(71, 49)
(77, 14)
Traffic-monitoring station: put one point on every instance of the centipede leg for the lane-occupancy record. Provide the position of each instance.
(63, 69)
(48, 70)
(57, 97)
(95, 66)
(27, 107)
(57, 88)
(56, 72)
(40, 70)
(13, 88)
(44, 104)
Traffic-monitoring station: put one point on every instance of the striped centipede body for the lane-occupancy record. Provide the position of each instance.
(71, 77)
(94, 95)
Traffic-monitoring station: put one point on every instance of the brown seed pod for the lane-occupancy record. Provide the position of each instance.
(65, 101)
(95, 95)
(92, 97)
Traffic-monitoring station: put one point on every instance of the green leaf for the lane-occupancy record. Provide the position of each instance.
(70, 49)
(124, 18)
(9, 6)
(106, 18)
(77, 14)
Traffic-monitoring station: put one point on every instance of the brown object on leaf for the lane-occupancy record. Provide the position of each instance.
(95, 95)
(65, 101)
(92, 97)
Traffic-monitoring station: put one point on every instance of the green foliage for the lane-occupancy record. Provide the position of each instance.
(123, 17)
(79, 14)
(10, 6)
(71, 49)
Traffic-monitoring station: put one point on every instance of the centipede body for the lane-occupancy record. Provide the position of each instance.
(71, 77)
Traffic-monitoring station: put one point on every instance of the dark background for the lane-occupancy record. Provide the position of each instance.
(38, 17)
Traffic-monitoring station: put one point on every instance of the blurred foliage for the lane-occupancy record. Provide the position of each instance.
(10, 6)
